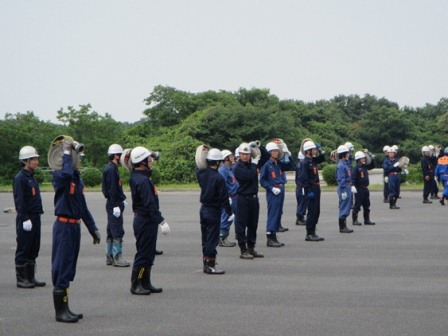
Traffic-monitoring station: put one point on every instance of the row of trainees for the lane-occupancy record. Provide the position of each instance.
(241, 187)
(70, 207)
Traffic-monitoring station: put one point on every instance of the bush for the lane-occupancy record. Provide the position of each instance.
(329, 174)
(156, 177)
(39, 175)
(92, 177)
(415, 174)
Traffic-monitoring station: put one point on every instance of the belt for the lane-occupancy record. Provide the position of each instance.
(68, 220)
(249, 196)
(316, 183)
(394, 173)
(278, 185)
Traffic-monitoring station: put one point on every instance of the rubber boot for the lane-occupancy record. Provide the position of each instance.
(146, 281)
(212, 267)
(355, 218)
(224, 242)
(367, 218)
(312, 236)
(136, 282)
(117, 248)
(272, 240)
(254, 253)
(60, 299)
(427, 201)
(300, 220)
(109, 256)
(22, 277)
(80, 316)
(31, 272)
(393, 203)
(244, 252)
(343, 226)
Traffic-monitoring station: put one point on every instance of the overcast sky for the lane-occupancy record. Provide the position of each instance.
(111, 53)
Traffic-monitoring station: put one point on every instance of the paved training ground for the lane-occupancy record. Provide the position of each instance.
(387, 279)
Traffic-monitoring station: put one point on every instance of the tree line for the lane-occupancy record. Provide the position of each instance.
(175, 122)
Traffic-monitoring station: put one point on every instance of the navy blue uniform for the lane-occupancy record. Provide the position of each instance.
(113, 191)
(386, 184)
(393, 174)
(302, 200)
(360, 178)
(69, 207)
(28, 204)
(232, 187)
(248, 208)
(273, 176)
(147, 217)
(309, 179)
(344, 179)
(213, 198)
(428, 169)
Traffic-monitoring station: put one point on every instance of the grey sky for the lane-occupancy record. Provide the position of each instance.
(111, 53)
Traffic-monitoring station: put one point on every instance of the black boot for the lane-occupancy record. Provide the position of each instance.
(367, 218)
(31, 271)
(146, 281)
(393, 203)
(22, 277)
(212, 267)
(136, 282)
(355, 218)
(60, 299)
(343, 226)
(427, 201)
(312, 236)
(254, 253)
(272, 241)
(158, 252)
(282, 229)
(300, 220)
(245, 252)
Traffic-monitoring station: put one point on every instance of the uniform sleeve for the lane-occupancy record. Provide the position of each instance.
(150, 203)
(19, 198)
(304, 178)
(223, 195)
(340, 177)
(264, 177)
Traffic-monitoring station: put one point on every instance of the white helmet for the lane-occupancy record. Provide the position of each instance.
(349, 145)
(237, 152)
(114, 149)
(386, 148)
(214, 154)
(27, 152)
(392, 150)
(343, 149)
(225, 153)
(395, 147)
(425, 149)
(138, 154)
(308, 145)
(244, 148)
(359, 155)
(431, 147)
(300, 156)
(270, 146)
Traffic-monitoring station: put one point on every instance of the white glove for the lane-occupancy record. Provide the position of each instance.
(344, 196)
(406, 171)
(386, 179)
(165, 228)
(256, 159)
(230, 200)
(397, 164)
(276, 191)
(125, 204)
(231, 218)
(116, 212)
(27, 225)
(354, 191)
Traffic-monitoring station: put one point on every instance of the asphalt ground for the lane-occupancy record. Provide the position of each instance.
(387, 279)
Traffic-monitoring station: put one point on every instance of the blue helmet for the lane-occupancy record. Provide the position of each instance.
(445, 150)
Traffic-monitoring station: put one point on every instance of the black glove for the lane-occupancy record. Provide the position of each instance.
(96, 237)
